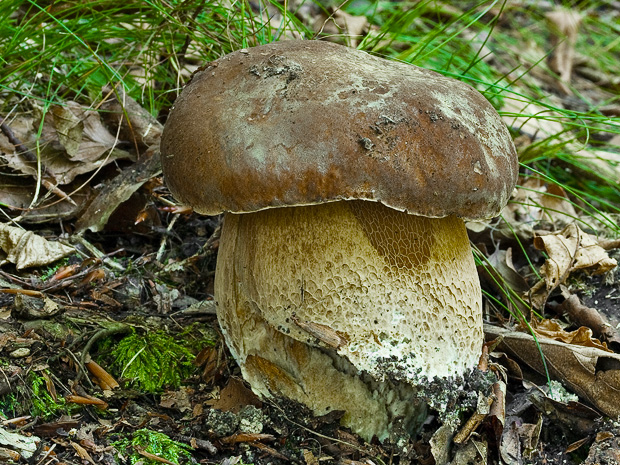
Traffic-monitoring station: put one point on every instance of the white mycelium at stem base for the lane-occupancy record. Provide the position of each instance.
(397, 295)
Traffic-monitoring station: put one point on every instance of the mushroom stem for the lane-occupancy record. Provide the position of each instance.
(348, 306)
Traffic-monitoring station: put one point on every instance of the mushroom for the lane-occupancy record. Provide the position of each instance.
(345, 278)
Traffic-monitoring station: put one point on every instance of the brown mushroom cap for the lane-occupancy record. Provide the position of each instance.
(308, 122)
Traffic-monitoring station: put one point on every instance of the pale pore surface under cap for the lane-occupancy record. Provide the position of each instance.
(398, 293)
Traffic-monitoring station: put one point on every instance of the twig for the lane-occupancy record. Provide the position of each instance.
(164, 239)
(117, 328)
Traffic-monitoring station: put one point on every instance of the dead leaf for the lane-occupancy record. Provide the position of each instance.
(606, 451)
(590, 372)
(441, 441)
(105, 381)
(179, 400)
(568, 250)
(234, 396)
(510, 444)
(540, 122)
(26, 249)
(536, 200)
(81, 132)
(117, 191)
(136, 123)
(73, 142)
(26, 445)
(581, 336)
(309, 457)
(600, 163)
(572, 249)
(563, 25)
(500, 272)
(590, 317)
(81, 452)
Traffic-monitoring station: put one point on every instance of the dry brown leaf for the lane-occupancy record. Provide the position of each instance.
(81, 452)
(582, 336)
(591, 373)
(501, 261)
(510, 444)
(540, 123)
(569, 250)
(179, 400)
(564, 26)
(73, 142)
(81, 132)
(118, 190)
(26, 249)
(234, 396)
(602, 163)
(536, 201)
(590, 317)
(136, 123)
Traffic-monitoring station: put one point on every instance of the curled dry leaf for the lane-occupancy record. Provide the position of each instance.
(26, 249)
(601, 163)
(581, 336)
(540, 123)
(118, 190)
(590, 317)
(26, 445)
(590, 372)
(502, 271)
(568, 250)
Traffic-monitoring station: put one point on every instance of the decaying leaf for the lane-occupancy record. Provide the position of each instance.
(568, 250)
(440, 444)
(234, 396)
(590, 372)
(136, 123)
(81, 132)
(73, 142)
(502, 273)
(26, 445)
(602, 163)
(117, 191)
(535, 201)
(540, 122)
(26, 249)
(563, 25)
(572, 249)
(590, 317)
(582, 336)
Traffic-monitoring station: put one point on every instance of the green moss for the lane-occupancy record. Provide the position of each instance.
(153, 360)
(154, 443)
(9, 406)
(43, 404)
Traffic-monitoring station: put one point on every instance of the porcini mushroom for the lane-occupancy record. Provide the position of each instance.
(345, 276)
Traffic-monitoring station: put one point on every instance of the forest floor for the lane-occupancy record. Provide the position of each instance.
(110, 348)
